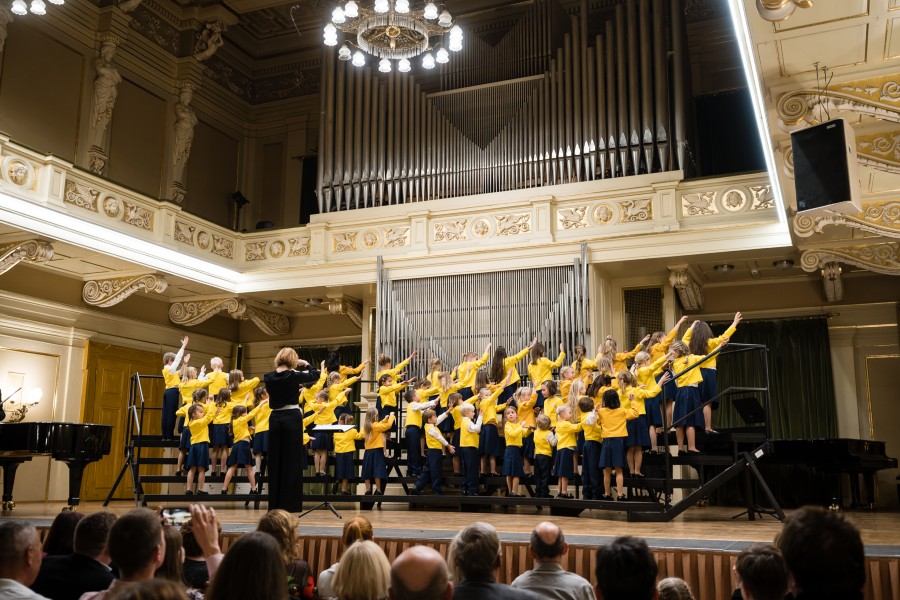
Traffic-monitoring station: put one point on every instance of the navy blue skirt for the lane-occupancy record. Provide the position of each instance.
(374, 466)
(489, 441)
(710, 386)
(579, 443)
(455, 438)
(322, 440)
(638, 432)
(218, 435)
(528, 447)
(687, 400)
(512, 462)
(612, 452)
(343, 465)
(654, 415)
(240, 454)
(261, 442)
(563, 465)
(507, 393)
(198, 456)
(184, 444)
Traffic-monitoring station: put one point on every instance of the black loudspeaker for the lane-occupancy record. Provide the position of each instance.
(825, 173)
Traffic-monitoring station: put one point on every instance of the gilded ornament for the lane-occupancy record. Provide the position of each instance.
(85, 198)
(298, 246)
(112, 207)
(881, 257)
(33, 251)
(689, 291)
(19, 173)
(603, 214)
(203, 240)
(572, 218)
(345, 242)
(276, 249)
(481, 227)
(109, 292)
(369, 238)
(255, 251)
(636, 210)
(450, 231)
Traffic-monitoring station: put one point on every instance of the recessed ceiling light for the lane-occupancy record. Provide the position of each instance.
(276, 303)
(784, 264)
(724, 268)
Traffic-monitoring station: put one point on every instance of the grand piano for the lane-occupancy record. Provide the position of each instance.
(76, 444)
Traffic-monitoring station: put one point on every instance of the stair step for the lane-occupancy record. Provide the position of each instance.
(658, 482)
(159, 460)
(209, 479)
(696, 459)
(203, 498)
(149, 442)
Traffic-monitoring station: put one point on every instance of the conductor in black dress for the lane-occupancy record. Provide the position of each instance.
(286, 429)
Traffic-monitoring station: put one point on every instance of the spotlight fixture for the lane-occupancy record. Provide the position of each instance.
(784, 265)
(723, 268)
(276, 303)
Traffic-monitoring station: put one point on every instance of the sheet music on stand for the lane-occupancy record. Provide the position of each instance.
(332, 428)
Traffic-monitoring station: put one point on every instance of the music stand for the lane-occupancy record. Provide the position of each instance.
(330, 429)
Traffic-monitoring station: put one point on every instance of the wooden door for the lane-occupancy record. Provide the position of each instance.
(107, 376)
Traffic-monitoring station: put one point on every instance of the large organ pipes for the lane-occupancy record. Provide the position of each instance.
(570, 104)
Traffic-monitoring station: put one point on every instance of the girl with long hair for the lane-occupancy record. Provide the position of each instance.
(700, 340)
(540, 369)
(502, 363)
(255, 553)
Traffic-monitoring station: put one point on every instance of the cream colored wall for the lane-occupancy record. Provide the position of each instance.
(137, 140)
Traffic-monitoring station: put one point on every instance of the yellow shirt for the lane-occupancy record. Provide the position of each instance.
(241, 426)
(564, 386)
(588, 366)
(245, 389)
(434, 378)
(345, 441)
(542, 371)
(661, 347)
(183, 411)
(640, 394)
(388, 393)
(414, 416)
(430, 441)
(510, 362)
(646, 375)
(712, 344)
(541, 445)
(171, 379)
(376, 439)
(200, 428)
(327, 416)
(308, 395)
(693, 377)
(466, 371)
(468, 439)
(393, 371)
(592, 433)
(338, 388)
(262, 417)
(489, 407)
(526, 410)
(619, 359)
(550, 406)
(186, 388)
(306, 423)
(224, 415)
(443, 395)
(567, 433)
(514, 432)
(612, 421)
(345, 371)
(217, 381)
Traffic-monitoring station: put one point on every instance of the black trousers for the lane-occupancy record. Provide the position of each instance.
(286, 460)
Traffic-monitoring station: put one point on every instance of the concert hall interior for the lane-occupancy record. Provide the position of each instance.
(576, 169)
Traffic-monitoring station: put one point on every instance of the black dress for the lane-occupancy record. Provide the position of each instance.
(286, 438)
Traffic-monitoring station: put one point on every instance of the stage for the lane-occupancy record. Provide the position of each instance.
(699, 545)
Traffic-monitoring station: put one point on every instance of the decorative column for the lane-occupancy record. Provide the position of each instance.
(185, 122)
(103, 100)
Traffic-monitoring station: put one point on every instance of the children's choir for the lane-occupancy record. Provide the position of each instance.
(599, 417)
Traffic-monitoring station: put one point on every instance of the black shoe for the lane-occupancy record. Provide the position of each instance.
(224, 492)
(712, 432)
(622, 499)
(693, 452)
(189, 493)
(369, 493)
(415, 491)
(606, 498)
(203, 493)
(253, 492)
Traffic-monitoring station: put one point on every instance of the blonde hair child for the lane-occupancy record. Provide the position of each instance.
(240, 453)
(513, 459)
(374, 467)
(544, 441)
(184, 444)
(220, 437)
(345, 452)
(566, 434)
(609, 349)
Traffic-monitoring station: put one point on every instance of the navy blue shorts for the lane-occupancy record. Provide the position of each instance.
(512, 462)
(240, 454)
(612, 452)
(343, 465)
(374, 466)
(489, 441)
(218, 435)
(198, 456)
(687, 400)
(322, 440)
(564, 465)
(638, 432)
(261, 442)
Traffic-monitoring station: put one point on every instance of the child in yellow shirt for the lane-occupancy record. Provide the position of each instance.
(172, 379)
(514, 432)
(567, 441)
(489, 438)
(184, 444)
(220, 438)
(345, 452)
(540, 369)
(198, 457)
(240, 453)
(524, 400)
(612, 417)
(590, 452)
(374, 466)
(322, 441)
(544, 441)
(434, 454)
(470, 428)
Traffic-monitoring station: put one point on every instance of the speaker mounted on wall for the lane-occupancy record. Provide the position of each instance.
(825, 168)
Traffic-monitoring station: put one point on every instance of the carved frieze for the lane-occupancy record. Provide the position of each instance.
(19, 172)
(137, 216)
(255, 251)
(881, 218)
(395, 237)
(735, 199)
(572, 218)
(184, 233)
(193, 313)
(345, 242)
(689, 291)
(81, 196)
(109, 292)
(636, 210)
(513, 224)
(298, 246)
(33, 251)
(877, 97)
(449, 231)
(880, 257)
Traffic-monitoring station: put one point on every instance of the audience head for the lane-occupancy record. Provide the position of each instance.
(92, 535)
(675, 588)
(420, 573)
(60, 539)
(474, 552)
(357, 529)
(255, 553)
(626, 570)
(152, 589)
(20, 552)
(824, 554)
(136, 544)
(548, 544)
(364, 573)
(761, 573)
(172, 567)
(282, 526)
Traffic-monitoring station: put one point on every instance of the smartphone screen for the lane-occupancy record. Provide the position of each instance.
(176, 516)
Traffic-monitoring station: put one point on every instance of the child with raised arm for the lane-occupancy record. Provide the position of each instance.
(700, 340)
(540, 369)
(374, 467)
(261, 427)
(468, 369)
(524, 400)
(336, 385)
(345, 452)
(687, 415)
(220, 438)
(501, 364)
(241, 388)
(191, 380)
(184, 443)
(617, 359)
(434, 453)
(513, 461)
(583, 366)
(198, 456)
(385, 366)
(566, 435)
(552, 400)
(489, 437)
(240, 452)
(217, 378)
(612, 418)
(172, 378)
(322, 441)
(647, 375)
(414, 409)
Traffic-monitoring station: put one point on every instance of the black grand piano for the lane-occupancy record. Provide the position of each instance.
(76, 444)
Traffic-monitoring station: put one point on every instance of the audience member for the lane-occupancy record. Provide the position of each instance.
(420, 573)
(761, 574)
(364, 573)
(151, 589)
(20, 560)
(196, 575)
(675, 588)
(136, 547)
(626, 570)
(355, 530)
(87, 568)
(60, 540)
(253, 568)
(548, 577)
(282, 526)
(206, 529)
(824, 555)
(172, 567)
(474, 559)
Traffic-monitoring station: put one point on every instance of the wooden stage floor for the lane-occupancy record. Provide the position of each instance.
(709, 528)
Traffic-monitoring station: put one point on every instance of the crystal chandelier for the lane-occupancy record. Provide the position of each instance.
(393, 33)
(38, 7)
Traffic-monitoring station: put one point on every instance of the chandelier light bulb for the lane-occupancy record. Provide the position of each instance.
(359, 59)
(351, 10)
(431, 11)
(337, 15)
(442, 56)
(344, 52)
(38, 7)
(455, 45)
(403, 65)
(401, 6)
(57, 2)
(381, 6)
(384, 65)
(428, 61)
(456, 32)
(445, 20)
(330, 35)
(19, 7)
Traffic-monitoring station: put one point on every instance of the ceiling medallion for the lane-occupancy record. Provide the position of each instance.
(393, 32)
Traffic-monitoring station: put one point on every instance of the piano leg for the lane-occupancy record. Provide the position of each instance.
(854, 491)
(76, 472)
(869, 482)
(9, 482)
